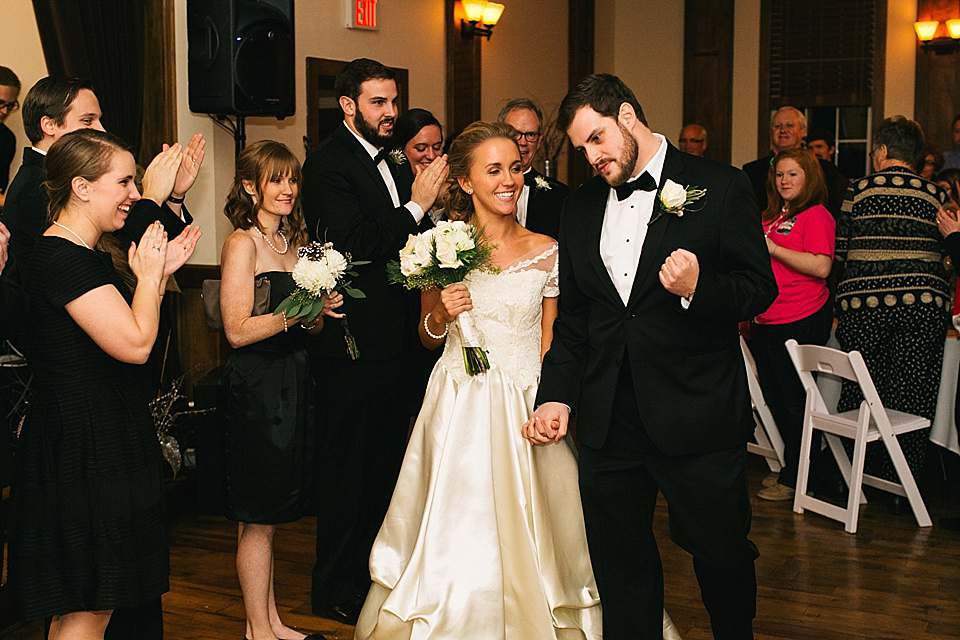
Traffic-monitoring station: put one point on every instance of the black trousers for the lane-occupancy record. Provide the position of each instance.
(780, 383)
(709, 511)
(363, 419)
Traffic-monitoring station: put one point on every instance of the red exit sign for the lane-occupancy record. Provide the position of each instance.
(361, 14)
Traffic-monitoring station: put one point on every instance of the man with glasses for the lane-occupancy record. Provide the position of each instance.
(693, 139)
(9, 92)
(542, 199)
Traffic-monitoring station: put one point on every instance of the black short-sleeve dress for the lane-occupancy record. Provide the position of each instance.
(88, 530)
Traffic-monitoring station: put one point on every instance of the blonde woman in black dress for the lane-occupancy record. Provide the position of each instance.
(265, 390)
(88, 533)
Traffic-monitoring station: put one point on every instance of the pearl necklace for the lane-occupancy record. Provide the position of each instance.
(286, 245)
(74, 233)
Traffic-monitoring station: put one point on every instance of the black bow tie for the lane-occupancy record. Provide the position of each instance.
(381, 155)
(530, 179)
(644, 182)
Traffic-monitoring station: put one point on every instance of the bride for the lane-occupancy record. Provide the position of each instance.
(484, 537)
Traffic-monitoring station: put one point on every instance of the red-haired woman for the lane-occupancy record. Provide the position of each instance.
(800, 235)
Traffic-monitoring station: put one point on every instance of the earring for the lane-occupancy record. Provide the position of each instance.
(469, 192)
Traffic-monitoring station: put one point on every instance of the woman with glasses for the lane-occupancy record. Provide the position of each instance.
(9, 92)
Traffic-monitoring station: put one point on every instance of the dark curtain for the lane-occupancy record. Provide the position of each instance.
(103, 41)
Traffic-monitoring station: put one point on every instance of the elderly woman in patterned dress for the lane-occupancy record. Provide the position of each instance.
(892, 297)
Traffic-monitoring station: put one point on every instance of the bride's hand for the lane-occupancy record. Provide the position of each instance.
(454, 300)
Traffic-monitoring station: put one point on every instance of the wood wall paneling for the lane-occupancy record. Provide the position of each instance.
(581, 30)
(708, 72)
(938, 79)
(200, 349)
(463, 72)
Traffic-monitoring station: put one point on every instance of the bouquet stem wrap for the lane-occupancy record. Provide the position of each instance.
(474, 355)
(352, 349)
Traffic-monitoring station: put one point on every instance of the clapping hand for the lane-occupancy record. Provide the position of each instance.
(180, 249)
(147, 259)
(161, 174)
(947, 221)
(428, 182)
(189, 165)
(4, 244)
(680, 272)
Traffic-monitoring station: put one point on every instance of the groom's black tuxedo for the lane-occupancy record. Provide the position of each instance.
(691, 384)
(363, 410)
(544, 203)
(661, 397)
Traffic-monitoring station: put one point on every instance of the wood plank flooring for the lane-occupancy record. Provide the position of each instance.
(890, 580)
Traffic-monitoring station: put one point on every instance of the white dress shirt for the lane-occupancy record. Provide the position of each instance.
(384, 170)
(625, 227)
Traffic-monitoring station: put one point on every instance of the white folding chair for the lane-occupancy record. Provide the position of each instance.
(869, 423)
(769, 443)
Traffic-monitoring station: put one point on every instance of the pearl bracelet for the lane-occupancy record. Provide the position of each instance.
(426, 327)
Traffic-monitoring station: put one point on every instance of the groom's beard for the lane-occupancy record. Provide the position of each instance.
(371, 133)
(626, 163)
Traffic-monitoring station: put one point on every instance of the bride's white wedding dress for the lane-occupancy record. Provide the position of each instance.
(484, 537)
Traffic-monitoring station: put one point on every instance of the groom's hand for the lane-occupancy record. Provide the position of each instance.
(680, 272)
(548, 424)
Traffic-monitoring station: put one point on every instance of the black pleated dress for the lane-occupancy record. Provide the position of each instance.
(88, 530)
(266, 411)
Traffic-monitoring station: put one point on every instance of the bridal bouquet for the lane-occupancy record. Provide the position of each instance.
(321, 270)
(442, 256)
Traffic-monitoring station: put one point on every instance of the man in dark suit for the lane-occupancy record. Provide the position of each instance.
(355, 197)
(539, 206)
(660, 256)
(788, 128)
(56, 105)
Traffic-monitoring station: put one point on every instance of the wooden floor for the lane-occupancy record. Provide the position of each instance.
(890, 580)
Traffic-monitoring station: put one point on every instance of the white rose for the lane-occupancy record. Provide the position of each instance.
(461, 239)
(447, 253)
(672, 195)
(415, 255)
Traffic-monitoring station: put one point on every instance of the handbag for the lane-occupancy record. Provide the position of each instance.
(210, 292)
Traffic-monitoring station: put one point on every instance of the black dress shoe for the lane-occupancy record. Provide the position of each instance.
(345, 612)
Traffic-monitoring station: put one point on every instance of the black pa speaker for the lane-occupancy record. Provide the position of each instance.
(241, 57)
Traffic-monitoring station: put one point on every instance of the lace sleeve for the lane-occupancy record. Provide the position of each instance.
(551, 288)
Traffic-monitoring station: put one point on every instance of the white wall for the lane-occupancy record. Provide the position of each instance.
(901, 63)
(746, 81)
(642, 42)
(20, 51)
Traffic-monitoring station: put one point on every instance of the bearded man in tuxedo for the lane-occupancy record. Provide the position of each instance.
(661, 255)
(356, 197)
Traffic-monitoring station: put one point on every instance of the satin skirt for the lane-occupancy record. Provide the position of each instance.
(484, 537)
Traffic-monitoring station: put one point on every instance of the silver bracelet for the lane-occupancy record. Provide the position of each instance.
(426, 327)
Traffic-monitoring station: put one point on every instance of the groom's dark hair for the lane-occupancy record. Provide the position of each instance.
(358, 71)
(602, 92)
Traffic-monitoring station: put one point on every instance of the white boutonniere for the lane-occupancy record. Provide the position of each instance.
(396, 157)
(675, 198)
(542, 183)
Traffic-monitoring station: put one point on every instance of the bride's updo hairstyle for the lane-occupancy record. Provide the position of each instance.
(259, 163)
(87, 154)
(457, 203)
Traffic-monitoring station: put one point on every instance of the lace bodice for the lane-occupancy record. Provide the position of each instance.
(507, 310)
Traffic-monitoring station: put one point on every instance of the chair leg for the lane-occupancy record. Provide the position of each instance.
(907, 481)
(803, 467)
(855, 483)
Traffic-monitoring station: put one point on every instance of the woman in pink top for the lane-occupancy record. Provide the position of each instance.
(800, 235)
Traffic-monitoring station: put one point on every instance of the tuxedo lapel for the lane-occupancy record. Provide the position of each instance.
(594, 217)
(346, 137)
(657, 228)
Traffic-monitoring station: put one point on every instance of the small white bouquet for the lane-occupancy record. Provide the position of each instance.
(443, 256)
(321, 270)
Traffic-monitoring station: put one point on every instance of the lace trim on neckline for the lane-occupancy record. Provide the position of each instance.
(552, 248)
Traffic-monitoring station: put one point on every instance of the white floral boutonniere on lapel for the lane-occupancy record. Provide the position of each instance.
(396, 157)
(675, 198)
(542, 183)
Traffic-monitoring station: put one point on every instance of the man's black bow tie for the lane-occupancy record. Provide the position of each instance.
(381, 155)
(644, 182)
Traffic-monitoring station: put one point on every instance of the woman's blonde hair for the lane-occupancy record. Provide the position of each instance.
(458, 204)
(258, 163)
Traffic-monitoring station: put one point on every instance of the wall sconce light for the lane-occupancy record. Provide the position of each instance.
(926, 31)
(479, 12)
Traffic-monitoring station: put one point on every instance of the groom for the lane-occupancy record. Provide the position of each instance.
(646, 353)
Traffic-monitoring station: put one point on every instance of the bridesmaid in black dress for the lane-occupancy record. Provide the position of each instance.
(265, 391)
(88, 533)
